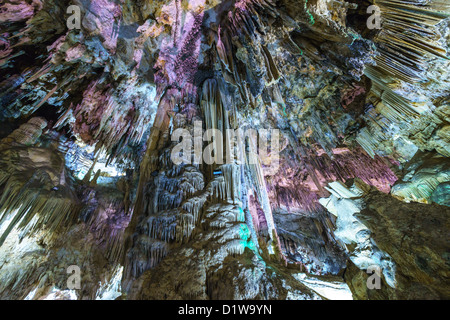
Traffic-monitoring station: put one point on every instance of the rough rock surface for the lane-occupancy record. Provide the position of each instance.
(403, 239)
(90, 108)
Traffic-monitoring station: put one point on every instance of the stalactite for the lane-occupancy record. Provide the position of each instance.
(407, 43)
(422, 176)
(148, 254)
(162, 227)
(94, 183)
(261, 191)
(32, 193)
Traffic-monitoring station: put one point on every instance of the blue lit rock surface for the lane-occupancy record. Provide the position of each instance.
(424, 179)
(441, 195)
(88, 118)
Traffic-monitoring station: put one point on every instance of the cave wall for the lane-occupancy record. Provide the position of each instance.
(88, 124)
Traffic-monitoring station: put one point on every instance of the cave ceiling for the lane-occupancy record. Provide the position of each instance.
(343, 167)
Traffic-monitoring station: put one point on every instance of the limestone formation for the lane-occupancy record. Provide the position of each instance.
(224, 149)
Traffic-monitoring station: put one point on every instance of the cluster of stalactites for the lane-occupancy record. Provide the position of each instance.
(251, 68)
(35, 194)
(409, 45)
